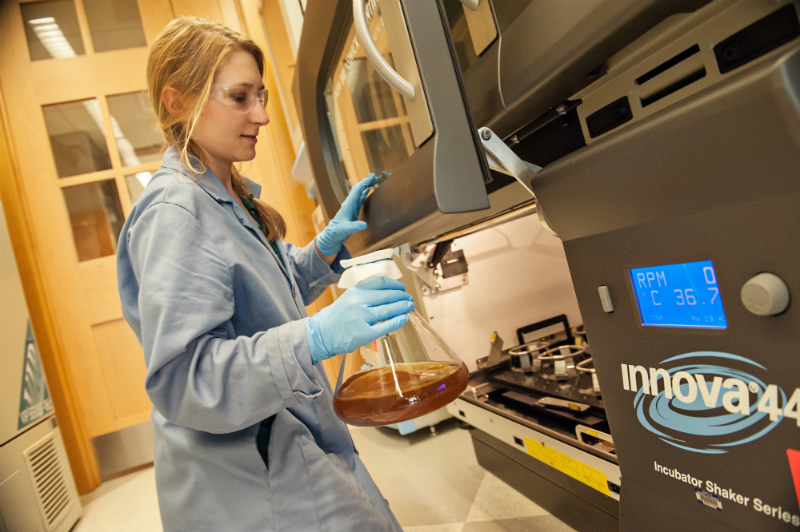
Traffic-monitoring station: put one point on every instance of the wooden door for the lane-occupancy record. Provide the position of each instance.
(75, 147)
(73, 82)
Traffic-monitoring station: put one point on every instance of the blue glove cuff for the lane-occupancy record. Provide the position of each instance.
(326, 247)
(315, 345)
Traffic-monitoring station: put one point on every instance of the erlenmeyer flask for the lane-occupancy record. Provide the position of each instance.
(404, 375)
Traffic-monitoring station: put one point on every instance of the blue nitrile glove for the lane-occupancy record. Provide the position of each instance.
(346, 221)
(352, 320)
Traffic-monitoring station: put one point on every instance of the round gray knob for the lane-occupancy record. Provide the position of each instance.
(765, 295)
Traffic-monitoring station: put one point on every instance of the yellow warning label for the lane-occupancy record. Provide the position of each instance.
(570, 466)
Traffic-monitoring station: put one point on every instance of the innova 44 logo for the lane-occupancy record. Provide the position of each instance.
(700, 405)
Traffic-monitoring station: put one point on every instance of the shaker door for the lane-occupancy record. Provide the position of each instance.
(378, 89)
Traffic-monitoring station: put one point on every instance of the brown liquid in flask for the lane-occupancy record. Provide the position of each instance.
(406, 373)
(399, 392)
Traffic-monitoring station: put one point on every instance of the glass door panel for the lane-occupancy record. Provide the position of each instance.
(387, 147)
(114, 24)
(52, 30)
(76, 137)
(136, 131)
(96, 217)
(368, 117)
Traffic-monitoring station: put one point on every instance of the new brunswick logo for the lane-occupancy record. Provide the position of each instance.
(34, 401)
(701, 406)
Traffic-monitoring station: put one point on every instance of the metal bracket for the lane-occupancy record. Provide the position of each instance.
(433, 273)
(605, 441)
(496, 352)
(503, 160)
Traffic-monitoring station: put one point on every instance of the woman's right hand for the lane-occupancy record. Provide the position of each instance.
(346, 222)
(364, 313)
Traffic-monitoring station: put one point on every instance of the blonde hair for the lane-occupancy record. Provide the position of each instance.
(186, 56)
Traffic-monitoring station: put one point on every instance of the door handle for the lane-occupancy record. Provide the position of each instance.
(374, 55)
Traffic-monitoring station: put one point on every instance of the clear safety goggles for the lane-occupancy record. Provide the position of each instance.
(240, 97)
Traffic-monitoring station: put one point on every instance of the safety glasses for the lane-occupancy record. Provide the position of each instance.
(242, 98)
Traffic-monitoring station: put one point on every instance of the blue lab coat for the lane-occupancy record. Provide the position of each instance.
(222, 324)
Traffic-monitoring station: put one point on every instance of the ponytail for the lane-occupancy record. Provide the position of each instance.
(270, 218)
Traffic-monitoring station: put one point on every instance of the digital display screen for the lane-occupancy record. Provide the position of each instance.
(679, 295)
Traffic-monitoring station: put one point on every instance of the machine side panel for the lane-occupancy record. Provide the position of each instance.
(701, 418)
(740, 243)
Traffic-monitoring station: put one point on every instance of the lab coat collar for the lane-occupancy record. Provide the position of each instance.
(207, 180)
(253, 187)
(214, 188)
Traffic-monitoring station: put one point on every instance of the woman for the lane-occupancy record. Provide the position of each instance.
(246, 438)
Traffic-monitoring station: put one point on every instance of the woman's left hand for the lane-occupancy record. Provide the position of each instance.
(346, 222)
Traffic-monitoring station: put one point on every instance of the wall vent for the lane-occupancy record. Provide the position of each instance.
(46, 467)
(671, 76)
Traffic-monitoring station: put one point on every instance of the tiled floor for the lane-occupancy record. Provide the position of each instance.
(125, 504)
(433, 484)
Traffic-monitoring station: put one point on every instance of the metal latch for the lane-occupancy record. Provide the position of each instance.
(503, 160)
(595, 438)
(440, 267)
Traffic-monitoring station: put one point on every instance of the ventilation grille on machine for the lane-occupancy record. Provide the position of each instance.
(45, 464)
(671, 76)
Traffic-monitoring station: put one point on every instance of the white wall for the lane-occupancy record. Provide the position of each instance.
(518, 275)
